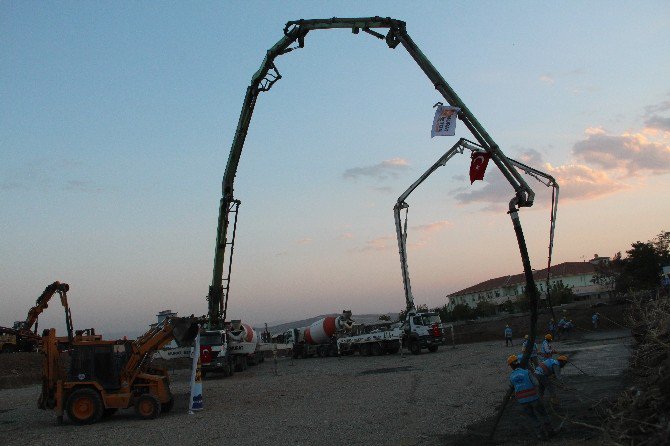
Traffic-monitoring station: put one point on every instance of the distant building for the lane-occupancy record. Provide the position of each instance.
(575, 275)
(162, 315)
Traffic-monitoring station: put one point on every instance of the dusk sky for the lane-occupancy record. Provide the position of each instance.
(116, 120)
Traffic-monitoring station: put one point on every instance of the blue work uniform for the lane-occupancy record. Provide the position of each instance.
(546, 369)
(526, 393)
(546, 350)
(525, 390)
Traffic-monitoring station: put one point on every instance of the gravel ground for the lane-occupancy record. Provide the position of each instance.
(385, 400)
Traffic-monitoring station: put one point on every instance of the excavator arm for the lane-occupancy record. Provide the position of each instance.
(263, 80)
(181, 329)
(458, 148)
(43, 302)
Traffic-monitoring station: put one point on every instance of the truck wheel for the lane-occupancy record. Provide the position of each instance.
(322, 351)
(394, 348)
(432, 348)
(365, 350)
(415, 347)
(147, 407)
(376, 349)
(84, 406)
(225, 370)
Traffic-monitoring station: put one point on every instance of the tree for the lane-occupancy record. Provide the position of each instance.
(423, 308)
(444, 313)
(662, 246)
(641, 269)
(384, 317)
(485, 309)
(462, 312)
(607, 273)
(507, 306)
(522, 303)
(561, 294)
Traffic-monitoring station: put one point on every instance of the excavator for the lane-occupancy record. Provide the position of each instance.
(23, 336)
(89, 378)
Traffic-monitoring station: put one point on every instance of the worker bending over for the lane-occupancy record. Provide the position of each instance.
(547, 350)
(532, 353)
(544, 372)
(526, 393)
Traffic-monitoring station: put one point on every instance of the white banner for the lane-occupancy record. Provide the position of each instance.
(444, 123)
(196, 377)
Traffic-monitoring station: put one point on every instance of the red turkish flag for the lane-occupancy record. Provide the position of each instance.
(478, 165)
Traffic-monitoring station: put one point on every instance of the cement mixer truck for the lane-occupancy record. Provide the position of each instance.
(320, 338)
(244, 345)
(229, 350)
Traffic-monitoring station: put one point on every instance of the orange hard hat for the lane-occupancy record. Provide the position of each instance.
(562, 358)
(548, 337)
(512, 359)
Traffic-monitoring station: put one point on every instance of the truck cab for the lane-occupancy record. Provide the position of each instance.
(422, 330)
(214, 354)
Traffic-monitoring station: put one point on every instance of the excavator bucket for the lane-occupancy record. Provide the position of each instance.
(184, 330)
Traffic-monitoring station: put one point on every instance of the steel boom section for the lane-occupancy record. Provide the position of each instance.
(263, 80)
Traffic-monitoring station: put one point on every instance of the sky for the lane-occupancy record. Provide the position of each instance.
(116, 121)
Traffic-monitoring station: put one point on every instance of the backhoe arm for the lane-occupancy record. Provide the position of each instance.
(181, 329)
(43, 302)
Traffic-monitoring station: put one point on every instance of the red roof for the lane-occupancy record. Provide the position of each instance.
(557, 271)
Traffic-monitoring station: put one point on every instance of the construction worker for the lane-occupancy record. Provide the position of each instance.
(547, 350)
(527, 395)
(552, 327)
(594, 320)
(532, 353)
(508, 336)
(548, 368)
(561, 326)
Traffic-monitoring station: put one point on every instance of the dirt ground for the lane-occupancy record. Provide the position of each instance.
(19, 369)
(449, 397)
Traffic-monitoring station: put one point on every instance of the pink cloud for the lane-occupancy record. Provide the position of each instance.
(378, 244)
(581, 182)
(432, 227)
(631, 153)
(384, 170)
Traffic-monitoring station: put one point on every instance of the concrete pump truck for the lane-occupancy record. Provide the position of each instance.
(263, 80)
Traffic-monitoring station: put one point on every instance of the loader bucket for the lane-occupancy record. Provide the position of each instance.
(184, 330)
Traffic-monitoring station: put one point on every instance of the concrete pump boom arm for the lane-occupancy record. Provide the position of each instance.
(458, 148)
(267, 75)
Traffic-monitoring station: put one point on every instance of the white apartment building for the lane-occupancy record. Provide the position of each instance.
(576, 275)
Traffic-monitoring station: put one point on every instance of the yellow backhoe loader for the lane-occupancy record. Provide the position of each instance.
(88, 378)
